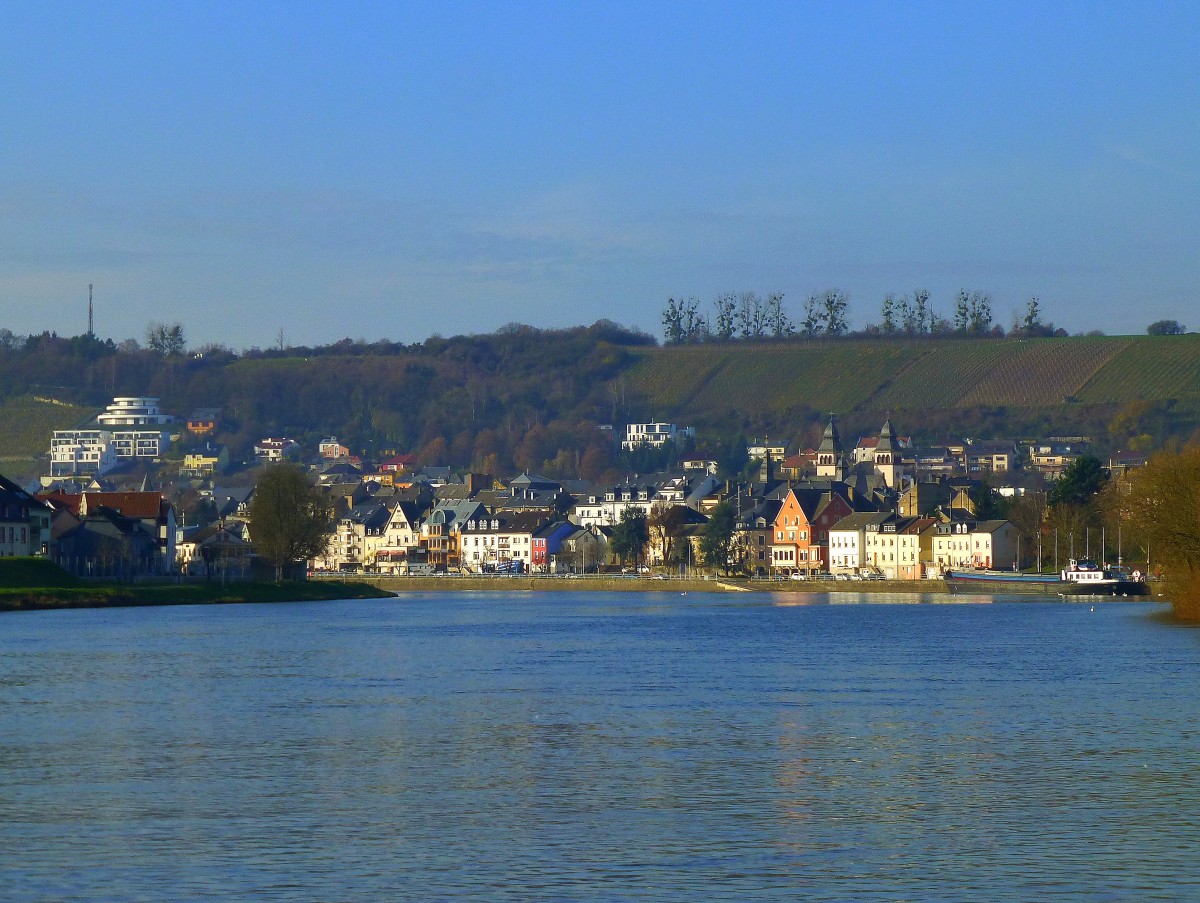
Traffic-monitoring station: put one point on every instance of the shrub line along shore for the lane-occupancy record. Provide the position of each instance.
(144, 594)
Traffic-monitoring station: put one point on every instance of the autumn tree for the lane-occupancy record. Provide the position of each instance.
(289, 517)
(717, 540)
(665, 523)
(1163, 506)
(630, 536)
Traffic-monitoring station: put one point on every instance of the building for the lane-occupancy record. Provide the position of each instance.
(203, 421)
(24, 522)
(831, 457)
(976, 545)
(82, 452)
(331, 449)
(131, 427)
(655, 435)
(133, 411)
(801, 529)
(496, 541)
(206, 461)
(274, 450)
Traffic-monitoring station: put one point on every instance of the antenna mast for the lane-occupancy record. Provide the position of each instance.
(91, 331)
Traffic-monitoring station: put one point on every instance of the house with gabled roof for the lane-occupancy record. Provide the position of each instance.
(24, 522)
(151, 509)
(498, 539)
(441, 532)
(801, 528)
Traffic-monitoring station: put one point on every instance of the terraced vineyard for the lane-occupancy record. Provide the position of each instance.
(941, 376)
(770, 377)
(29, 424)
(873, 375)
(1044, 372)
(1150, 367)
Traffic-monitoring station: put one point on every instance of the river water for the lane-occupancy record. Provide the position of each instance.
(601, 747)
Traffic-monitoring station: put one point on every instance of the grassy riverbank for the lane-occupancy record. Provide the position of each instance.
(28, 584)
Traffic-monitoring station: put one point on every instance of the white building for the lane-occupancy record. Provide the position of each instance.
(655, 434)
(114, 438)
(134, 411)
(75, 452)
(985, 544)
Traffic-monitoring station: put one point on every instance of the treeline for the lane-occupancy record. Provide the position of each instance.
(749, 316)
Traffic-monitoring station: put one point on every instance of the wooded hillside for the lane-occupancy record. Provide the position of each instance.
(532, 399)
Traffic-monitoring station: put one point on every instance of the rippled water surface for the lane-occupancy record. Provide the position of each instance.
(592, 746)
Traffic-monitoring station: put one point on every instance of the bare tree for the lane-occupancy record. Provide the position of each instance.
(752, 315)
(725, 315)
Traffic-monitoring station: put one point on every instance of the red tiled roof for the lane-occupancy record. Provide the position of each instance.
(142, 505)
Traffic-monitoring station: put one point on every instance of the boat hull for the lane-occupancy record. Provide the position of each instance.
(1039, 585)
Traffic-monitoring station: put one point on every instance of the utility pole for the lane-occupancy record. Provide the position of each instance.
(91, 324)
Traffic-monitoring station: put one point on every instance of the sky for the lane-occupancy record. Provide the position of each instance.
(396, 170)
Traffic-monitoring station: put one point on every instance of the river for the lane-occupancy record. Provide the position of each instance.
(582, 746)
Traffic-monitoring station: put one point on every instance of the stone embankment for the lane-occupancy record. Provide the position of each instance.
(645, 584)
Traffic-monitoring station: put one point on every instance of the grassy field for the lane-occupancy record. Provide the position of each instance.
(876, 375)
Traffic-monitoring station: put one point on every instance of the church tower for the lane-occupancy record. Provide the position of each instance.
(831, 460)
(887, 456)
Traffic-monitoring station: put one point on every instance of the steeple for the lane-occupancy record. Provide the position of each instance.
(887, 457)
(830, 455)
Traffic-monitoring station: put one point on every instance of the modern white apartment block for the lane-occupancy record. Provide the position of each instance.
(115, 437)
(75, 452)
(655, 434)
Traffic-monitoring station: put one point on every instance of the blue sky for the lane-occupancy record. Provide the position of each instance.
(394, 170)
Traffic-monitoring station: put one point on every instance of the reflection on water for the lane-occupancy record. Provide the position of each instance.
(600, 746)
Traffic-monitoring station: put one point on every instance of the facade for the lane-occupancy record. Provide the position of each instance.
(331, 449)
(80, 452)
(495, 541)
(206, 461)
(655, 434)
(131, 427)
(848, 540)
(972, 545)
(801, 529)
(203, 421)
(133, 411)
(24, 522)
(274, 449)
(831, 457)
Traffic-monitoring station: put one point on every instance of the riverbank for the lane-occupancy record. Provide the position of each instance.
(618, 583)
(112, 595)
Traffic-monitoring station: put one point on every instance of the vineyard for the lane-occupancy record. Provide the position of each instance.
(30, 422)
(874, 375)
(1148, 368)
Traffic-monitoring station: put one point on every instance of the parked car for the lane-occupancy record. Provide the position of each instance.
(799, 575)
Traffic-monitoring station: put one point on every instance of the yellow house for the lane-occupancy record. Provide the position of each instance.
(208, 460)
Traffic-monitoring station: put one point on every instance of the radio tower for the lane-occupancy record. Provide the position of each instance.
(91, 331)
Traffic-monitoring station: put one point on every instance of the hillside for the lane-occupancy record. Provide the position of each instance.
(879, 376)
(28, 424)
(531, 399)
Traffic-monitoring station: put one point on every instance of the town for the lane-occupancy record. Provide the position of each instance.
(872, 507)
